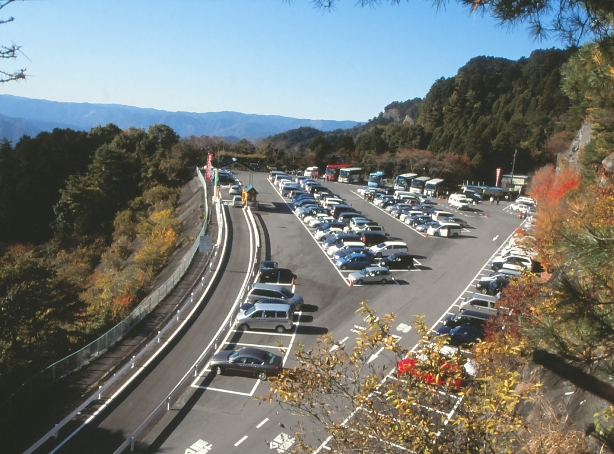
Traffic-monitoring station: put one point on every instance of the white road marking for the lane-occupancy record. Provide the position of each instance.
(335, 347)
(241, 441)
(495, 238)
(262, 423)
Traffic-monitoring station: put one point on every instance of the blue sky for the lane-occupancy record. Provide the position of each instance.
(265, 57)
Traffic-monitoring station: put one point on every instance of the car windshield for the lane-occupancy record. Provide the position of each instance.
(269, 266)
(287, 293)
(365, 271)
(250, 310)
(268, 357)
(381, 245)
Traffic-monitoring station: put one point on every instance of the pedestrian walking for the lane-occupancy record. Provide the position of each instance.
(497, 200)
(492, 199)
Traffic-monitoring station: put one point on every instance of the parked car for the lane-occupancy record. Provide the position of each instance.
(491, 285)
(355, 261)
(458, 221)
(370, 274)
(328, 225)
(235, 189)
(468, 317)
(465, 335)
(516, 262)
(424, 227)
(387, 248)
(373, 238)
(268, 271)
(398, 261)
(237, 201)
(247, 361)
(345, 252)
(260, 291)
(323, 235)
(320, 220)
(338, 238)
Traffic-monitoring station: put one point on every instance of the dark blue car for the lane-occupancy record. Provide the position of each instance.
(355, 261)
(463, 334)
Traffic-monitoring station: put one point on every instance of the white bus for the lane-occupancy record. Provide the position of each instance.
(403, 182)
(433, 187)
(350, 175)
(417, 184)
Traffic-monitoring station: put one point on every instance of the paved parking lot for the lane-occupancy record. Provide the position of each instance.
(223, 416)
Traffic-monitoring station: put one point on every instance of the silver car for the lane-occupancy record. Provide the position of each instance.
(379, 274)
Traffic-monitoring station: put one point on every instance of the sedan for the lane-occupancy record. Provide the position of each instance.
(320, 220)
(424, 227)
(247, 361)
(464, 334)
(355, 261)
(235, 189)
(328, 225)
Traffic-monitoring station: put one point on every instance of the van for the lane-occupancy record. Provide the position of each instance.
(279, 293)
(388, 247)
(373, 238)
(479, 302)
(347, 216)
(445, 229)
(459, 201)
(265, 315)
(341, 208)
(526, 200)
(372, 228)
(440, 215)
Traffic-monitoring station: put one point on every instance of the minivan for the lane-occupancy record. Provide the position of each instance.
(341, 208)
(266, 315)
(445, 229)
(260, 291)
(340, 238)
(344, 245)
(459, 201)
(440, 215)
(349, 215)
(388, 247)
(372, 238)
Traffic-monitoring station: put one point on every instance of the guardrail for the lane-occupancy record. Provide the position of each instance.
(205, 355)
(95, 348)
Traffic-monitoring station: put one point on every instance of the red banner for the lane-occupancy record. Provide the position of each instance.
(208, 169)
(498, 177)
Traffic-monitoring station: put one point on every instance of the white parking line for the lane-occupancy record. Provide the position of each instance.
(241, 441)
(262, 423)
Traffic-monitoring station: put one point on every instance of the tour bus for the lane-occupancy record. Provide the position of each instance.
(403, 182)
(376, 179)
(332, 171)
(433, 187)
(417, 184)
(350, 175)
(312, 172)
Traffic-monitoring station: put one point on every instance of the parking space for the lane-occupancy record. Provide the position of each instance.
(392, 280)
(278, 343)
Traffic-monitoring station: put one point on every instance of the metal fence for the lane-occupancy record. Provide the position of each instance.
(94, 349)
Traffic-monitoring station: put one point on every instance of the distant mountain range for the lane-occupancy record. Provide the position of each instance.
(19, 116)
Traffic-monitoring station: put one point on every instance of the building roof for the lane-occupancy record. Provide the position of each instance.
(249, 188)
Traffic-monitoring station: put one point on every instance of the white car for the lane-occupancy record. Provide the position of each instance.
(521, 207)
(320, 220)
(235, 189)
(237, 201)
(330, 231)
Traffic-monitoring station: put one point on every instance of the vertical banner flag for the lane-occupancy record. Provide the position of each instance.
(208, 171)
(497, 178)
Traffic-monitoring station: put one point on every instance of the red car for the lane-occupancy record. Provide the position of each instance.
(408, 365)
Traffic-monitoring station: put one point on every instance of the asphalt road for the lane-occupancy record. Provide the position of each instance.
(221, 415)
(106, 432)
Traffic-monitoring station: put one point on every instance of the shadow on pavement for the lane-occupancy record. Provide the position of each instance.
(311, 330)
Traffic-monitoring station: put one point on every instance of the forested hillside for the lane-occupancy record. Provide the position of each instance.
(476, 119)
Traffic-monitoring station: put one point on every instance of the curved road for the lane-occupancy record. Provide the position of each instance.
(107, 431)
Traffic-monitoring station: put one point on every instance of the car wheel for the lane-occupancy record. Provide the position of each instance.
(378, 255)
(343, 267)
(219, 370)
(384, 281)
(455, 235)
(244, 327)
(261, 376)
(280, 329)
(484, 291)
(359, 282)
(409, 267)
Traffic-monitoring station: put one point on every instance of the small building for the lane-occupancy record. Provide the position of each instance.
(250, 197)
(514, 183)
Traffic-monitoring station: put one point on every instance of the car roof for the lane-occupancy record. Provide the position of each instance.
(267, 286)
(475, 314)
(269, 304)
(254, 352)
(376, 268)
